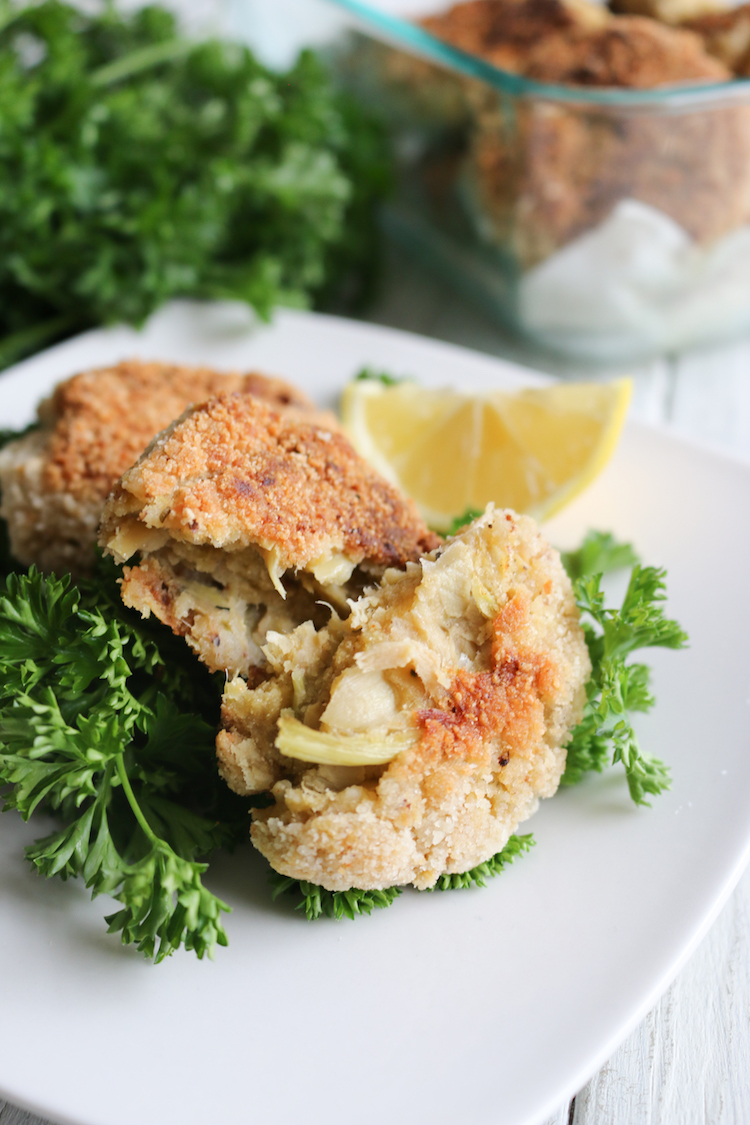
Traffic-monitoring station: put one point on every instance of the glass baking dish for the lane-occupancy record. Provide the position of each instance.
(605, 223)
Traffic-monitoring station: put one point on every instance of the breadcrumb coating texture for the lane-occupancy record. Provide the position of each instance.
(726, 36)
(245, 519)
(666, 11)
(504, 31)
(94, 426)
(235, 473)
(576, 41)
(628, 51)
(476, 652)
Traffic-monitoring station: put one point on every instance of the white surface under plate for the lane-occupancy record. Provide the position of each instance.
(484, 1007)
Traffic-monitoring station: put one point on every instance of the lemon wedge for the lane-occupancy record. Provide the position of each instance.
(532, 450)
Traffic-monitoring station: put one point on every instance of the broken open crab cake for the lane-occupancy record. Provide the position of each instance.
(55, 480)
(247, 519)
(412, 738)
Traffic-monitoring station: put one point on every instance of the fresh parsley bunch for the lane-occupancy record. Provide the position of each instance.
(113, 734)
(136, 166)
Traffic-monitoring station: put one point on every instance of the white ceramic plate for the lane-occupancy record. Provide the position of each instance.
(484, 1007)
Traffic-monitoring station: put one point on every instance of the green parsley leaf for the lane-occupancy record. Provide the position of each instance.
(317, 902)
(369, 374)
(88, 734)
(600, 553)
(463, 520)
(137, 166)
(616, 688)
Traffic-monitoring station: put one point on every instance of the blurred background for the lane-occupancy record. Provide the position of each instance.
(577, 177)
(555, 181)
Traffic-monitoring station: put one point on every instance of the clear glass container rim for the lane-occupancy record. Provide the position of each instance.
(414, 39)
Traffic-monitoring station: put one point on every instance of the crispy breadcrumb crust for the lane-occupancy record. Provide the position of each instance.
(504, 31)
(249, 519)
(236, 473)
(95, 425)
(628, 51)
(667, 11)
(576, 41)
(726, 36)
(478, 651)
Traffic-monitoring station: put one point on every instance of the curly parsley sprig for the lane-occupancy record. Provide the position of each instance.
(87, 733)
(599, 553)
(618, 688)
(317, 902)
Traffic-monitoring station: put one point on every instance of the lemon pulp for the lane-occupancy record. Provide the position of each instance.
(532, 450)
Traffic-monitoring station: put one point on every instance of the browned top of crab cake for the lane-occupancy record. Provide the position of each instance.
(628, 51)
(235, 472)
(103, 420)
(576, 41)
(504, 31)
(726, 36)
(94, 426)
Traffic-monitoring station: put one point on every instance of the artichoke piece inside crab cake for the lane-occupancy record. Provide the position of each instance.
(411, 739)
(244, 519)
(55, 480)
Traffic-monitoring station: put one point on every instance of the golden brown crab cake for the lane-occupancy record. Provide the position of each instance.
(504, 31)
(726, 36)
(629, 51)
(247, 519)
(55, 480)
(412, 739)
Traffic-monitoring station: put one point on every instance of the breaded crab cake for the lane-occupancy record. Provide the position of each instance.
(504, 31)
(726, 36)
(247, 519)
(627, 51)
(412, 738)
(55, 480)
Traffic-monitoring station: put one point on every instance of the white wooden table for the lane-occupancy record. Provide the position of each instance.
(688, 1063)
